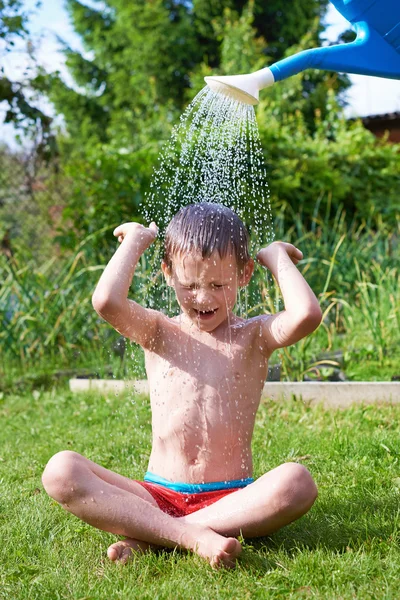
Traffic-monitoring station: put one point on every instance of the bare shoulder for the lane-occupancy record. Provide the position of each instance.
(162, 329)
(142, 325)
(253, 330)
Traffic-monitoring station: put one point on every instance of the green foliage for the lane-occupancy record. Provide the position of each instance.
(341, 162)
(242, 49)
(378, 307)
(30, 199)
(354, 271)
(46, 309)
(141, 52)
(12, 21)
(20, 110)
(280, 24)
(108, 185)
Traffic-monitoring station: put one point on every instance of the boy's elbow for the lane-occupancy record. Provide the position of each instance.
(312, 317)
(97, 301)
(101, 303)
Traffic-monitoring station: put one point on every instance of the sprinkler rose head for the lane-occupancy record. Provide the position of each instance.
(219, 85)
(243, 88)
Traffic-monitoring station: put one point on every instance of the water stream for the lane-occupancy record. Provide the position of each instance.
(214, 155)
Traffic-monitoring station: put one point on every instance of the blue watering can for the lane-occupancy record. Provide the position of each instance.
(375, 51)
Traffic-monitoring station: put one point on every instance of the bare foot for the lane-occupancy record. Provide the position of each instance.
(217, 549)
(122, 551)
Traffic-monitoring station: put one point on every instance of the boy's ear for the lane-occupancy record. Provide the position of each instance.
(246, 273)
(167, 272)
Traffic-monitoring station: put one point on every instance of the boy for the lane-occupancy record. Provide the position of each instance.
(206, 369)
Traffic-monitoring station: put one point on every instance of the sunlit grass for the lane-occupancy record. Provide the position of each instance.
(346, 547)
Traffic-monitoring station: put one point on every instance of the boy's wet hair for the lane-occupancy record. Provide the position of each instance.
(206, 227)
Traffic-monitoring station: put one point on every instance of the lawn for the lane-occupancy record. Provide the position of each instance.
(346, 547)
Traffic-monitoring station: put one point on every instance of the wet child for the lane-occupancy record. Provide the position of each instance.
(206, 369)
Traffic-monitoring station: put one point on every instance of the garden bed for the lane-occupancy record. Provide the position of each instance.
(336, 394)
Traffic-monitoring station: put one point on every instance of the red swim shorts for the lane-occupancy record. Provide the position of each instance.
(178, 504)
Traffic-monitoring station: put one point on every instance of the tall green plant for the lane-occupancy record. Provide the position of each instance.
(377, 305)
(45, 310)
(360, 305)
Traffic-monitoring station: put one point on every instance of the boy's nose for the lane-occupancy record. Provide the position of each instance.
(202, 296)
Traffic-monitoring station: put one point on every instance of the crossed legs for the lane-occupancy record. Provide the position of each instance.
(118, 505)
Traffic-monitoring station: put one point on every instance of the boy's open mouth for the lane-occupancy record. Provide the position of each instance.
(205, 314)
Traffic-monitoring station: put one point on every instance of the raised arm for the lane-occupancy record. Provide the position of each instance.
(302, 313)
(110, 298)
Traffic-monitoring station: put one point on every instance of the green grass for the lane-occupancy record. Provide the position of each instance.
(346, 547)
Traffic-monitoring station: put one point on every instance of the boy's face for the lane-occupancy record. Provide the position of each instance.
(206, 288)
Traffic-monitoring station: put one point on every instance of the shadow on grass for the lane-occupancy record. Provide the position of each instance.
(335, 526)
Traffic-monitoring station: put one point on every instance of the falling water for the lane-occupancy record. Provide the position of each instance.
(214, 155)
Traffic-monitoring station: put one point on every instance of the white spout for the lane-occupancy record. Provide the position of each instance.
(243, 88)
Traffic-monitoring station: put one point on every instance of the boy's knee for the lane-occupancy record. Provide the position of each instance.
(299, 489)
(60, 475)
(305, 489)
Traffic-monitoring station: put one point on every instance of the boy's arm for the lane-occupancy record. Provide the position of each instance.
(302, 313)
(110, 298)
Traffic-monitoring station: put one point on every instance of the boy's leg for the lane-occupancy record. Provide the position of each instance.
(115, 504)
(271, 502)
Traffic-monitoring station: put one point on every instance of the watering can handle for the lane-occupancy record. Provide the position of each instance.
(369, 54)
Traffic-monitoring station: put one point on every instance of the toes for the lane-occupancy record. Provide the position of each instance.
(228, 554)
(232, 546)
(223, 561)
(120, 551)
(113, 552)
(123, 550)
(125, 555)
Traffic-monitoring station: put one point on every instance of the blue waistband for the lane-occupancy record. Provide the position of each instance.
(197, 488)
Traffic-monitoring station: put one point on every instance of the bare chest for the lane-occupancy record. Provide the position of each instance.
(209, 376)
(196, 368)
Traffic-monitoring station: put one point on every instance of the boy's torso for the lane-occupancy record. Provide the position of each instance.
(205, 390)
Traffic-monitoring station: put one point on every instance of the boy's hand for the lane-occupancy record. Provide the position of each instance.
(268, 256)
(144, 235)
